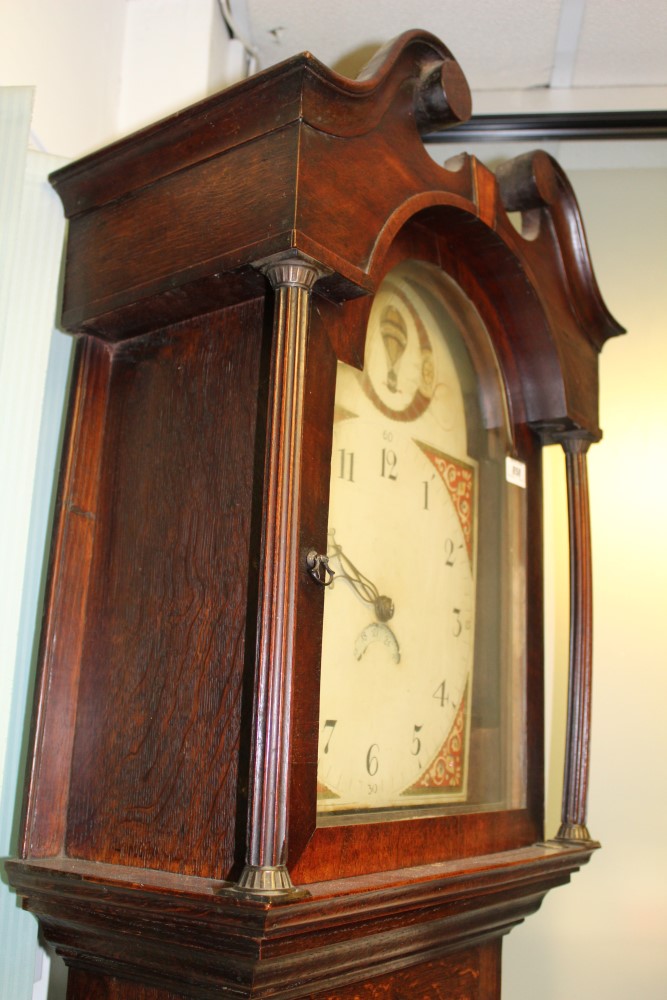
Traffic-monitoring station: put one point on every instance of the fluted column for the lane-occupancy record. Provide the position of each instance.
(577, 747)
(265, 872)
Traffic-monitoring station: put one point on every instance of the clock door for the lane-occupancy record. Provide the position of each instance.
(425, 677)
(422, 670)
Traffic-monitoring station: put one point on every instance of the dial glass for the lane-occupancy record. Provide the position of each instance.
(422, 655)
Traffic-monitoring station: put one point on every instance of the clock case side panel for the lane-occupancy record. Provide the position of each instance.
(337, 851)
(46, 792)
(146, 756)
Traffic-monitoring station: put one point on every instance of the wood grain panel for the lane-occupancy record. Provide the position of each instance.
(66, 604)
(83, 985)
(473, 974)
(112, 262)
(156, 751)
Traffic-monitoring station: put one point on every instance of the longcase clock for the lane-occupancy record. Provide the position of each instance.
(288, 725)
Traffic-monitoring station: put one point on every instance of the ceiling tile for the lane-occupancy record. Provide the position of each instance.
(498, 44)
(622, 43)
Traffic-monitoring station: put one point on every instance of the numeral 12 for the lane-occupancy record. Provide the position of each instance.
(389, 464)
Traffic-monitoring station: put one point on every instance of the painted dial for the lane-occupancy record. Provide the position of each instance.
(399, 618)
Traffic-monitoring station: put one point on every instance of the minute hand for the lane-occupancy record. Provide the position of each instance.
(364, 588)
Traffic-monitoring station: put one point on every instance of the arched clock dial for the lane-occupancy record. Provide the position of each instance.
(398, 640)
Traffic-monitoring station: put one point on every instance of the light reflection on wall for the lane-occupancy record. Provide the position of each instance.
(604, 936)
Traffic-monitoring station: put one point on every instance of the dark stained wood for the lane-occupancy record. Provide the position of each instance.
(175, 736)
(82, 985)
(188, 938)
(300, 89)
(56, 691)
(280, 565)
(469, 975)
(577, 754)
(535, 181)
(153, 768)
(226, 227)
(258, 214)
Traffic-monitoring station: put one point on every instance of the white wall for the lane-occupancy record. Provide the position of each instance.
(70, 52)
(103, 68)
(605, 935)
(94, 70)
(174, 54)
(31, 401)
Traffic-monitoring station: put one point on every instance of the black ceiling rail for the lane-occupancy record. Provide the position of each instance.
(567, 125)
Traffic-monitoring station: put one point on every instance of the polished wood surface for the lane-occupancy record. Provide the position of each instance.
(469, 975)
(578, 735)
(170, 805)
(182, 934)
(280, 568)
(163, 564)
(63, 630)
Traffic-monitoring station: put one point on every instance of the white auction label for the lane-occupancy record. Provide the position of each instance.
(515, 472)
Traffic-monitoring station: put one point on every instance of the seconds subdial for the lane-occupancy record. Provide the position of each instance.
(367, 592)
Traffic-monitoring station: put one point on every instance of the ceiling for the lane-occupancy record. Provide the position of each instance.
(558, 47)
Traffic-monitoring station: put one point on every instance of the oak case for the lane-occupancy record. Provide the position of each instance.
(219, 264)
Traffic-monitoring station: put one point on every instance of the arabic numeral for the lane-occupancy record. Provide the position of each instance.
(441, 694)
(372, 762)
(330, 724)
(389, 461)
(346, 465)
(426, 483)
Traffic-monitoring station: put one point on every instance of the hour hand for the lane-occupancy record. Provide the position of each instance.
(363, 587)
